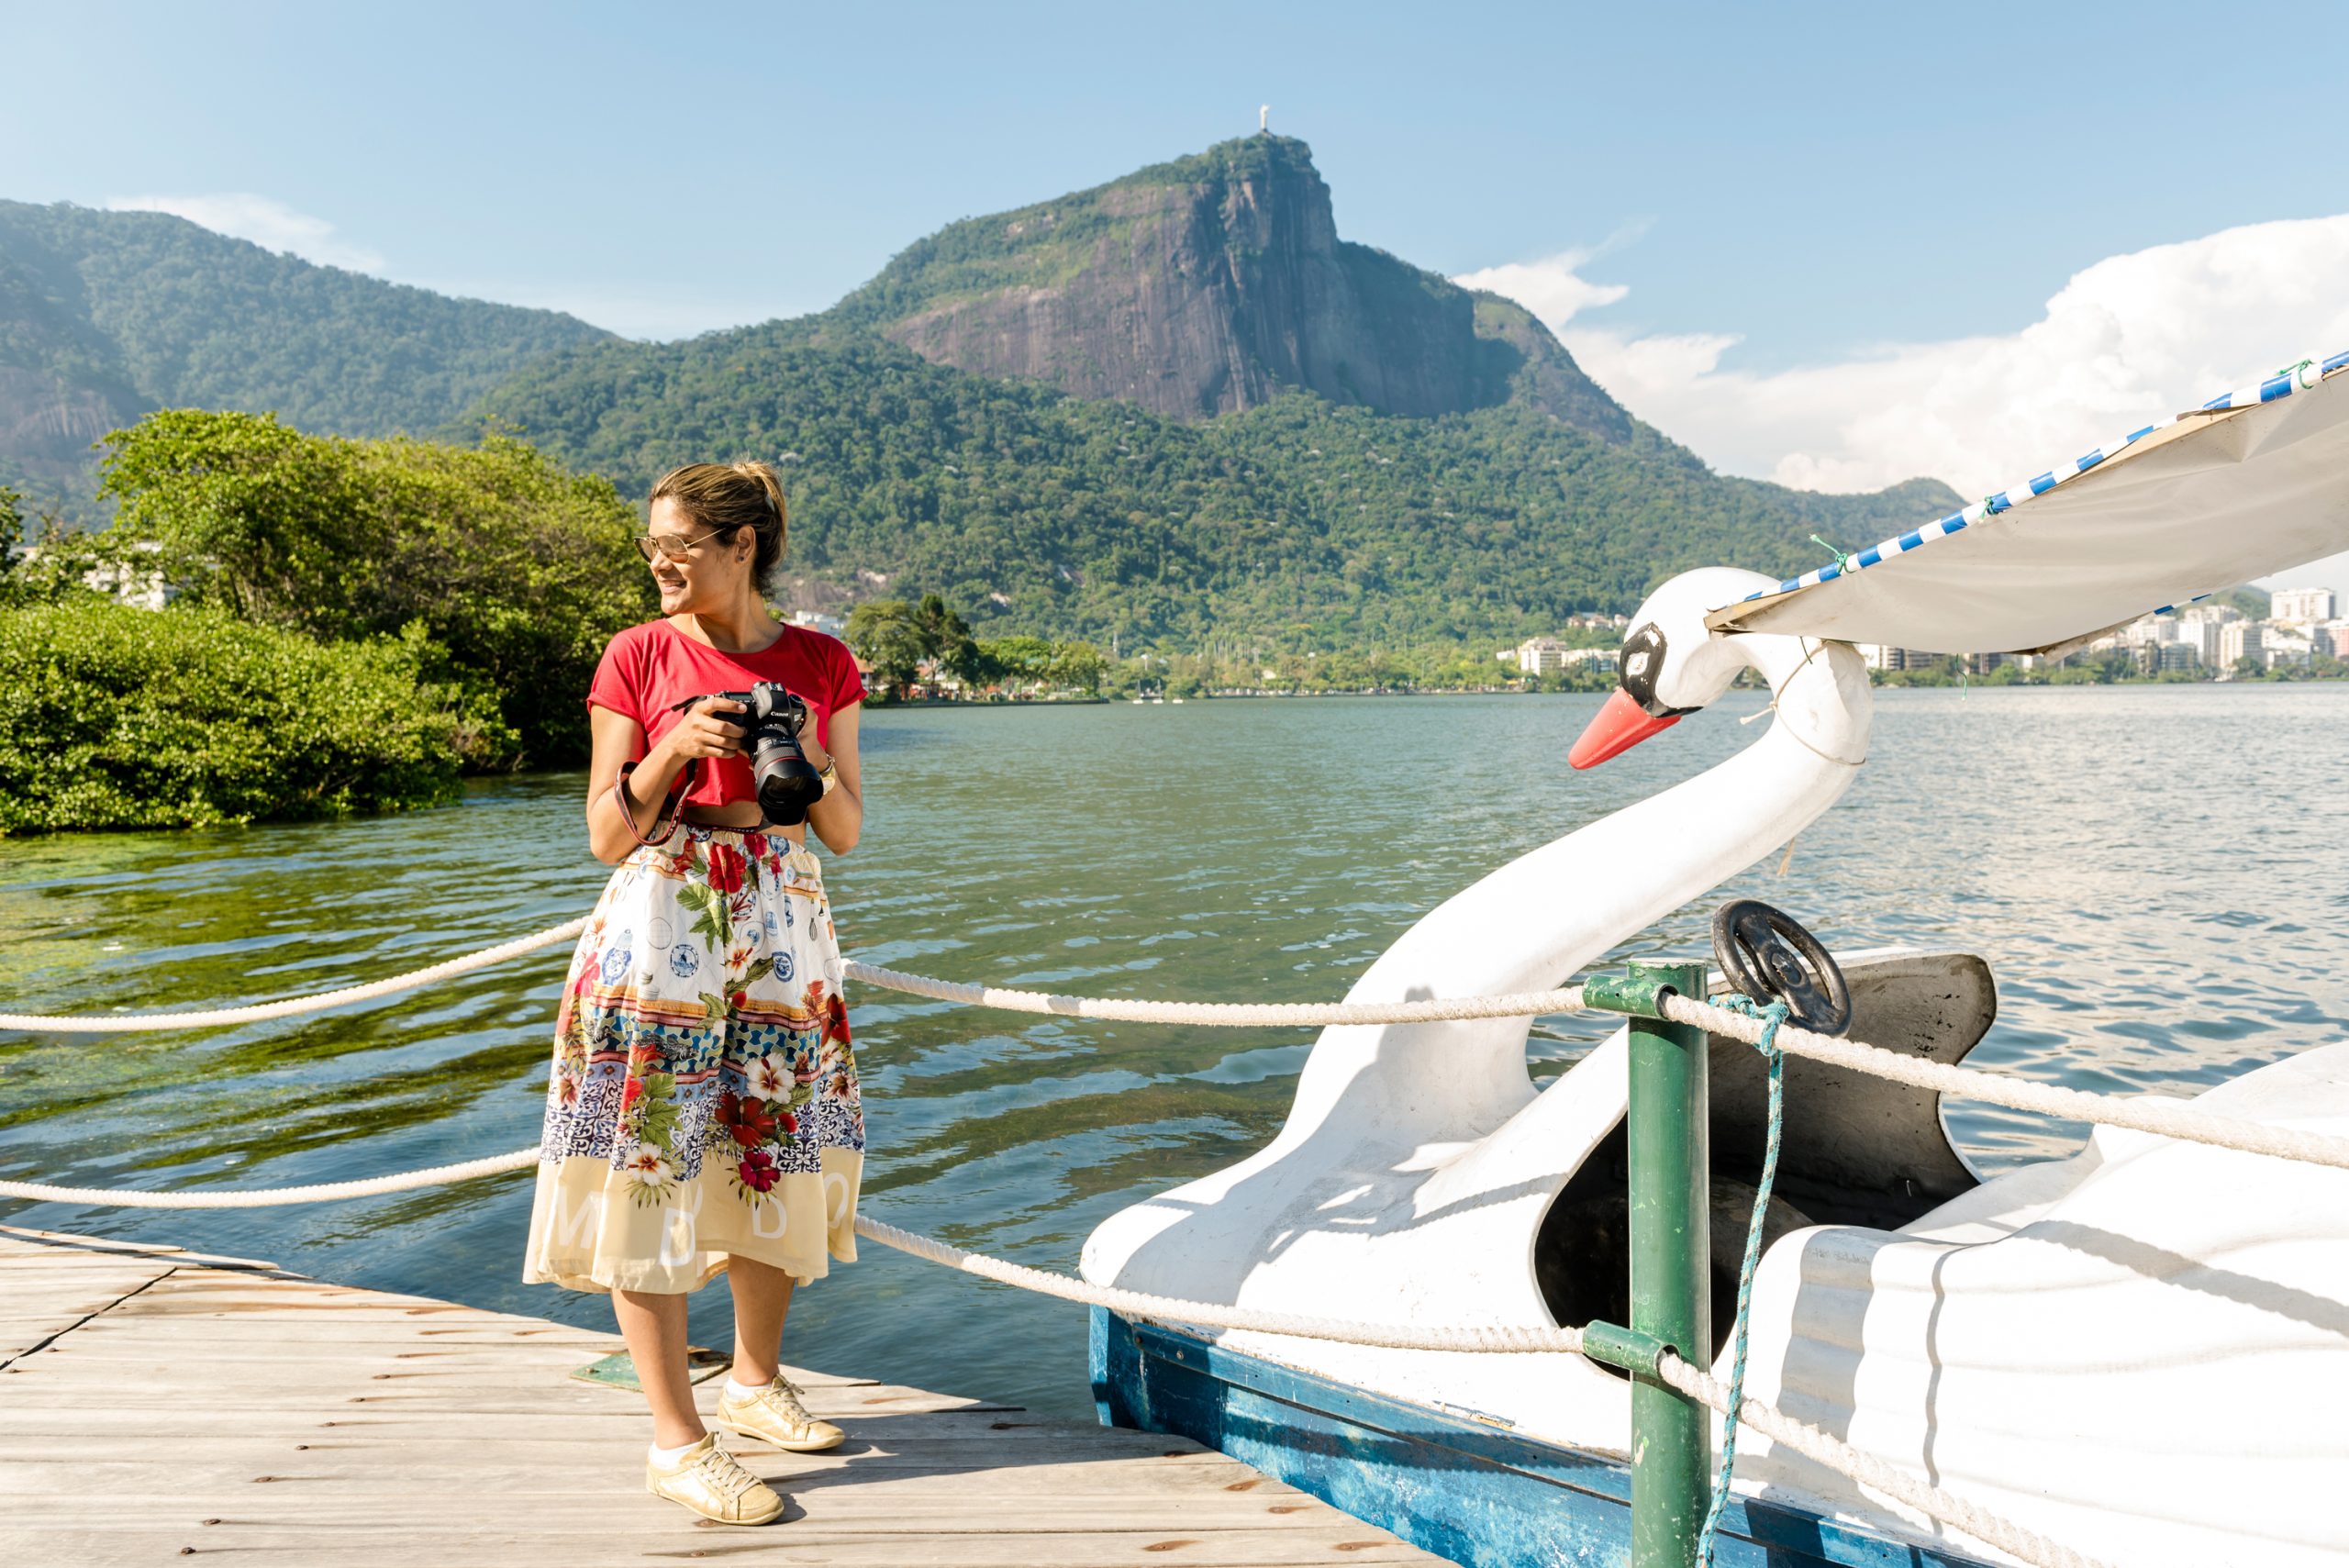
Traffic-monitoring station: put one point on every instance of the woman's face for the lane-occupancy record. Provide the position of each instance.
(707, 576)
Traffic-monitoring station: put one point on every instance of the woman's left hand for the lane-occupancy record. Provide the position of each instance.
(813, 749)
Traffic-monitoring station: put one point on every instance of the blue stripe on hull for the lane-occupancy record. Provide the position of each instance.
(1472, 1491)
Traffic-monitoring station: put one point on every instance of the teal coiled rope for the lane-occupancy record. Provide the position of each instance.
(1772, 1016)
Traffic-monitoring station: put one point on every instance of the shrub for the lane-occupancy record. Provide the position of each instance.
(113, 717)
(519, 571)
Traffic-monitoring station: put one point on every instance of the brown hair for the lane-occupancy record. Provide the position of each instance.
(730, 497)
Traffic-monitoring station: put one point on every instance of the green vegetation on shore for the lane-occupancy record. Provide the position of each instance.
(114, 716)
(352, 625)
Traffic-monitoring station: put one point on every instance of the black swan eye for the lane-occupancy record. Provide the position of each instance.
(1643, 661)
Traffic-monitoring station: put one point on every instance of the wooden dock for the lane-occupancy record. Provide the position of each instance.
(157, 1404)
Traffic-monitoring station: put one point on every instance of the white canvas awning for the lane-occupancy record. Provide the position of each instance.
(2255, 483)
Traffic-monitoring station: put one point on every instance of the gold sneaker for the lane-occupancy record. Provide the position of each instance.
(713, 1483)
(774, 1415)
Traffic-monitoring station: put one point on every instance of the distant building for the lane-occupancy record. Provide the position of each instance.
(1983, 664)
(2336, 639)
(816, 620)
(1541, 655)
(2170, 656)
(2281, 647)
(2242, 639)
(1883, 656)
(2302, 606)
(2200, 634)
(1592, 657)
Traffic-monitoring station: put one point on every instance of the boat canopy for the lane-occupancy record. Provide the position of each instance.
(2252, 482)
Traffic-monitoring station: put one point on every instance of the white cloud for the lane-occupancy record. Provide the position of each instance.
(2145, 333)
(267, 222)
(1552, 288)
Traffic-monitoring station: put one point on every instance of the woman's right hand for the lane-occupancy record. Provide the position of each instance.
(705, 732)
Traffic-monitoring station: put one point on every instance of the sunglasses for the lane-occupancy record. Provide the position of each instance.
(670, 545)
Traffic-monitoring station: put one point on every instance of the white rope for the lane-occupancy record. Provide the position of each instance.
(1225, 1014)
(266, 1197)
(1866, 1468)
(2167, 1118)
(121, 1023)
(1498, 1339)
(2163, 1117)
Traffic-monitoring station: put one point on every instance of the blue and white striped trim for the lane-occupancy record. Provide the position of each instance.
(2283, 383)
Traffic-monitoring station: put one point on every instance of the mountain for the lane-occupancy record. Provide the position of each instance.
(1176, 407)
(105, 314)
(1208, 285)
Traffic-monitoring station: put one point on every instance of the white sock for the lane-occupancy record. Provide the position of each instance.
(668, 1456)
(741, 1390)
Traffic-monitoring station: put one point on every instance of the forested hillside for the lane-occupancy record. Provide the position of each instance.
(1299, 523)
(105, 314)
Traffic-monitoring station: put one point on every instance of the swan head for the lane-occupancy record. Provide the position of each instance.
(1672, 663)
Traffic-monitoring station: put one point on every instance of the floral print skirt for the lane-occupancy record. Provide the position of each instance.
(704, 1101)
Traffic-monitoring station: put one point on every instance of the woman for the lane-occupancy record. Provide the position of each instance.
(703, 1116)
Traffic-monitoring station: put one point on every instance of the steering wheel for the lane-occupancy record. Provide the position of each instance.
(1765, 954)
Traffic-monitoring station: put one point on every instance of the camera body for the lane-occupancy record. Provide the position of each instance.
(773, 717)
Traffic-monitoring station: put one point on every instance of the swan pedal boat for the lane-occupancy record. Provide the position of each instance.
(2141, 1351)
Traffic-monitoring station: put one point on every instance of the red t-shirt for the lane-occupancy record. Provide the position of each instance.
(647, 668)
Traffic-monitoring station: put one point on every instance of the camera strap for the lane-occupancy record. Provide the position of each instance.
(671, 812)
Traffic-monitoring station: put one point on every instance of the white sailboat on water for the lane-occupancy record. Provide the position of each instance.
(2142, 1350)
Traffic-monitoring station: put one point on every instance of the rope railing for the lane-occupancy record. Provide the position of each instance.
(2167, 1119)
(2160, 1116)
(290, 1006)
(1875, 1473)
(2163, 1119)
(1224, 1015)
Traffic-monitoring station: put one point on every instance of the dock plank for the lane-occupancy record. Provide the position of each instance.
(155, 1404)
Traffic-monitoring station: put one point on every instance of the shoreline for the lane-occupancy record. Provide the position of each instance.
(1982, 684)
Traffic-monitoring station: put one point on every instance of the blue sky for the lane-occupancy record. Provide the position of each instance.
(1729, 195)
(1814, 177)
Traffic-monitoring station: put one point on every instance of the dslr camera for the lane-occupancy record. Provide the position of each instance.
(773, 717)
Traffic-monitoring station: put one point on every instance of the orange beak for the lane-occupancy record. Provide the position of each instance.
(1620, 725)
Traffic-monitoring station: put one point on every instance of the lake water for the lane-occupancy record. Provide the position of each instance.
(2159, 876)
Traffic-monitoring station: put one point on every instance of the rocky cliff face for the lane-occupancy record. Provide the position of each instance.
(1208, 285)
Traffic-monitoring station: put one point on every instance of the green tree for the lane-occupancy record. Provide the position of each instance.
(517, 572)
(888, 635)
(946, 638)
(1079, 666)
(1023, 660)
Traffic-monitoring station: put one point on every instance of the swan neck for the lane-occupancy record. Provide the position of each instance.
(1819, 692)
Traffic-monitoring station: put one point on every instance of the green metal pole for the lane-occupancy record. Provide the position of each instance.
(1669, 1271)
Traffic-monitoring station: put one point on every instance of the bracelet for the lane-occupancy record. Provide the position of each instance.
(666, 820)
